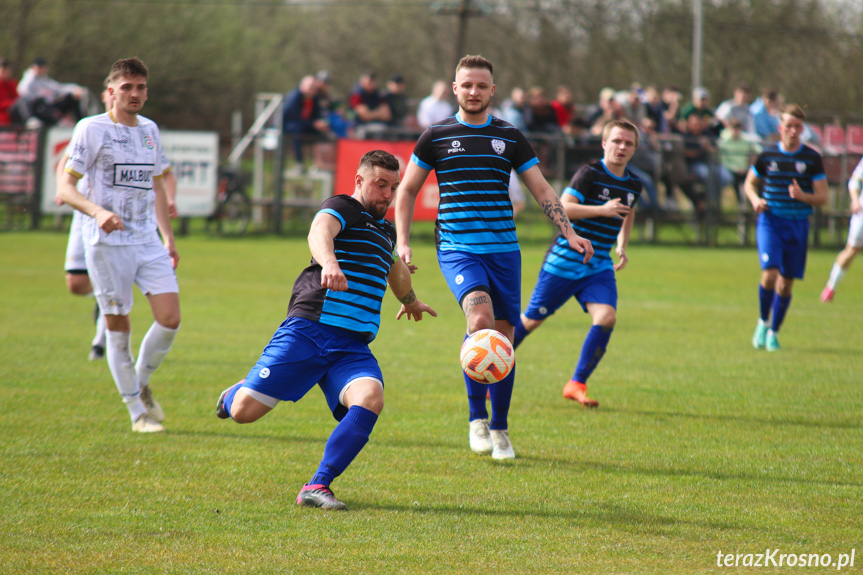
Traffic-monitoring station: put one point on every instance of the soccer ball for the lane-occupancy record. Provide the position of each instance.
(487, 356)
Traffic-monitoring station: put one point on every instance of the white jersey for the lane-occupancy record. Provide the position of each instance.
(117, 164)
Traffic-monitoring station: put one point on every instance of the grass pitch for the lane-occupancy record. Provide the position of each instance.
(701, 444)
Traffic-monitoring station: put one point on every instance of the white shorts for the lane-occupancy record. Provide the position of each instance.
(75, 262)
(855, 230)
(114, 269)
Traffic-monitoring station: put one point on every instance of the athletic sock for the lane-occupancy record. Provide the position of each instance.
(228, 400)
(592, 351)
(836, 275)
(520, 334)
(501, 396)
(156, 345)
(346, 441)
(765, 298)
(476, 395)
(122, 366)
(99, 338)
(780, 308)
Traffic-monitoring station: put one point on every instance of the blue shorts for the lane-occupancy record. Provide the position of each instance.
(782, 244)
(497, 274)
(303, 353)
(552, 291)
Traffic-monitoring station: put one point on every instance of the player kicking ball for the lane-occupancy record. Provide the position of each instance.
(333, 315)
(600, 202)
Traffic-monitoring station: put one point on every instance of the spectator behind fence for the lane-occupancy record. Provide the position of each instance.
(302, 117)
(397, 99)
(436, 106)
(44, 100)
(737, 107)
(765, 115)
(514, 109)
(702, 153)
(654, 109)
(540, 117)
(606, 110)
(645, 163)
(564, 108)
(736, 152)
(672, 97)
(8, 91)
(630, 102)
(368, 104)
(700, 105)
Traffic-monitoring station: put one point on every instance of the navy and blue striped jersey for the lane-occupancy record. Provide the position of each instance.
(364, 249)
(777, 168)
(473, 166)
(593, 185)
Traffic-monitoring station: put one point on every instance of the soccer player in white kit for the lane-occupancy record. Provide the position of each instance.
(855, 236)
(77, 279)
(126, 207)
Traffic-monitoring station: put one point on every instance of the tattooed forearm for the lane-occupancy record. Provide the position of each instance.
(554, 211)
(409, 298)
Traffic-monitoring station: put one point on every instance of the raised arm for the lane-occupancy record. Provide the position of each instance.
(325, 227)
(399, 280)
(551, 206)
(818, 198)
(406, 198)
(68, 193)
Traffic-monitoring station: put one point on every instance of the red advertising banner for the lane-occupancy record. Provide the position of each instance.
(348, 158)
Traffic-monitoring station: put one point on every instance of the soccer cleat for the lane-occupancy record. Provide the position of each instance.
(772, 343)
(146, 424)
(827, 295)
(502, 445)
(577, 391)
(221, 412)
(759, 338)
(154, 410)
(97, 352)
(319, 496)
(479, 437)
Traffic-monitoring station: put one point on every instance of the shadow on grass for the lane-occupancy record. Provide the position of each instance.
(795, 421)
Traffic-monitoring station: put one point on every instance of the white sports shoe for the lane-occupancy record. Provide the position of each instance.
(479, 437)
(502, 446)
(154, 410)
(146, 424)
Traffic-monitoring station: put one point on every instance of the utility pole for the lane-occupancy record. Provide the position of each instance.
(697, 25)
(463, 9)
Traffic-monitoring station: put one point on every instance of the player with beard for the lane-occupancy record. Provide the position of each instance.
(333, 315)
(473, 154)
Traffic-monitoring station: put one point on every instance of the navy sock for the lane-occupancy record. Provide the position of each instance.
(765, 298)
(520, 334)
(476, 394)
(501, 396)
(345, 443)
(780, 307)
(592, 351)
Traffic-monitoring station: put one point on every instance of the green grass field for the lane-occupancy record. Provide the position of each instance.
(701, 443)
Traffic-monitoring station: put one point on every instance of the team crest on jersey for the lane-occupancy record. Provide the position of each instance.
(800, 167)
(148, 141)
(604, 194)
(772, 167)
(630, 197)
(498, 146)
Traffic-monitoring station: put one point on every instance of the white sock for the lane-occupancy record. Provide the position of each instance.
(122, 366)
(836, 274)
(99, 338)
(156, 345)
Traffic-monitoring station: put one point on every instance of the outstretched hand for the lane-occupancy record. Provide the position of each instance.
(415, 311)
(615, 209)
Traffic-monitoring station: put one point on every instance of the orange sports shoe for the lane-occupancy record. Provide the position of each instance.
(577, 391)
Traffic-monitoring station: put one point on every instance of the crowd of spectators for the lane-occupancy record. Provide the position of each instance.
(39, 100)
